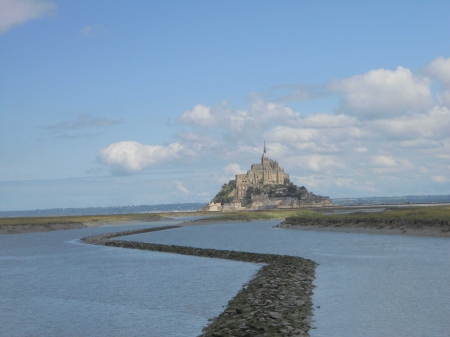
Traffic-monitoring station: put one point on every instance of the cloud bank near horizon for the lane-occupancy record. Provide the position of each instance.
(389, 126)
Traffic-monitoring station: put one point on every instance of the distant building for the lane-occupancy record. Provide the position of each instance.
(268, 172)
(286, 195)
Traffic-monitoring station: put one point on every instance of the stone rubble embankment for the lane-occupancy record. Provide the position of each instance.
(276, 302)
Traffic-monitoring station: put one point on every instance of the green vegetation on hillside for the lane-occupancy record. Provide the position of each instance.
(226, 194)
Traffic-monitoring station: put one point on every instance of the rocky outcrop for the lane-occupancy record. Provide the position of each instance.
(276, 302)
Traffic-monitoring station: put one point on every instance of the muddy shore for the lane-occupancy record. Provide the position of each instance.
(47, 224)
(31, 228)
(402, 227)
(276, 302)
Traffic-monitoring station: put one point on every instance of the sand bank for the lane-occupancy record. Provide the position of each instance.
(46, 224)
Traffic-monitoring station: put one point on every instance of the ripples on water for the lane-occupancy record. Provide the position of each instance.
(367, 285)
(53, 286)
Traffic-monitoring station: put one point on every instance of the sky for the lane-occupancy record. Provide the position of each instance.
(115, 103)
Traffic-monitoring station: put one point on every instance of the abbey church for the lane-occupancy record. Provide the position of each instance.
(268, 172)
(264, 186)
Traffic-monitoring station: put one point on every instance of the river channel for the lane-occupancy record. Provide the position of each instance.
(366, 284)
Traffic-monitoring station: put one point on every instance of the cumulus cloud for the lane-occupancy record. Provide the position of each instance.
(388, 161)
(440, 179)
(433, 124)
(440, 69)
(180, 187)
(387, 133)
(383, 93)
(15, 12)
(423, 170)
(314, 162)
(233, 169)
(260, 114)
(129, 157)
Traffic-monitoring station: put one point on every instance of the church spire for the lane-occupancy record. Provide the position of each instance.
(264, 146)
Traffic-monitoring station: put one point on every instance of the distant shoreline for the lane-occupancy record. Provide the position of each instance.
(48, 224)
(431, 221)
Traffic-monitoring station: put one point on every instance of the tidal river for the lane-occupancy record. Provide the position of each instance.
(366, 285)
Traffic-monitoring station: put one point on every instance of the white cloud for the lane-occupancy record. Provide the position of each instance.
(199, 115)
(361, 149)
(233, 169)
(286, 134)
(315, 162)
(93, 31)
(440, 69)
(384, 161)
(261, 114)
(383, 93)
(180, 187)
(129, 157)
(15, 12)
(440, 179)
(322, 120)
(433, 125)
(328, 152)
(345, 182)
(423, 170)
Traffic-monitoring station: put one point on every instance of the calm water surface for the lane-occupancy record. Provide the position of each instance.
(52, 285)
(367, 285)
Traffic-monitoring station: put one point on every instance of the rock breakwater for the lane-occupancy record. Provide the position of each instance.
(276, 302)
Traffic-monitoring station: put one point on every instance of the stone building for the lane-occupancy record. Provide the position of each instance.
(268, 172)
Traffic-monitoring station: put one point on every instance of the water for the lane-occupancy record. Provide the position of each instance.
(367, 285)
(52, 285)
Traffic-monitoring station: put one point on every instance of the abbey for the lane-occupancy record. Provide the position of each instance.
(265, 186)
(268, 172)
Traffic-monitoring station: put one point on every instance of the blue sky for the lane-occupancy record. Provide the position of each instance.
(106, 103)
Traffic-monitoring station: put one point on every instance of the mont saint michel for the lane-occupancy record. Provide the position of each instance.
(265, 186)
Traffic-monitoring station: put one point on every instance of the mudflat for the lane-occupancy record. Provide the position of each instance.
(45, 224)
(423, 221)
(368, 228)
(408, 220)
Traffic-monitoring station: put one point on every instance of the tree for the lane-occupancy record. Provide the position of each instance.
(291, 188)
